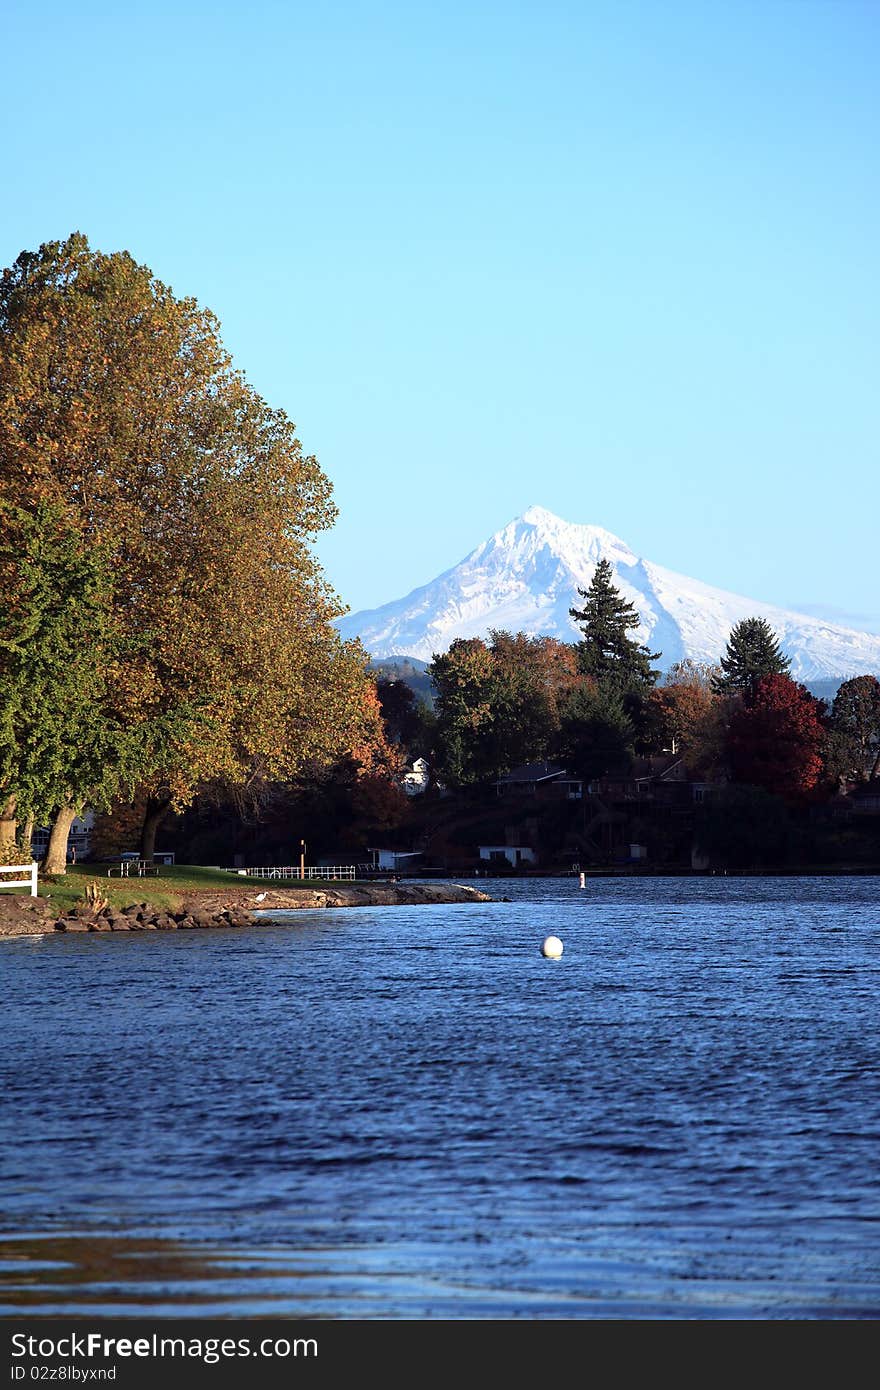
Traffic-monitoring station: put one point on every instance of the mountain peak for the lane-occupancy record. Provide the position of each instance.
(539, 516)
(574, 544)
(527, 576)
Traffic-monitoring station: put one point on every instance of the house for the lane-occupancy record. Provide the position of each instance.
(415, 780)
(514, 855)
(545, 780)
(661, 777)
(79, 841)
(393, 860)
(858, 799)
(866, 801)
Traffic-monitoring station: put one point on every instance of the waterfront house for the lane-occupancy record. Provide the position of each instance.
(544, 780)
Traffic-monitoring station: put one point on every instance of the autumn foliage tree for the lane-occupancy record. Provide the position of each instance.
(679, 712)
(499, 704)
(120, 407)
(776, 739)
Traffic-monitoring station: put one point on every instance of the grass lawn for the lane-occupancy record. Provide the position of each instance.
(163, 889)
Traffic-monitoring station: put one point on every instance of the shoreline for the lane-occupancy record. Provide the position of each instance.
(206, 909)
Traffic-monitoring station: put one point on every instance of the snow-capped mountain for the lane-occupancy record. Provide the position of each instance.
(526, 577)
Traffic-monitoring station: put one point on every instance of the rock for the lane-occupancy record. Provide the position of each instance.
(165, 923)
(242, 919)
(120, 923)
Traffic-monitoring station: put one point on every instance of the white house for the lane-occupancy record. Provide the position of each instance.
(514, 854)
(393, 859)
(415, 780)
(79, 842)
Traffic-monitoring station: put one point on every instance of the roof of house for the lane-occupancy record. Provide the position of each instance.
(660, 767)
(533, 772)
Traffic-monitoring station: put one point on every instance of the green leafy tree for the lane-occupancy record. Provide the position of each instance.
(463, 678)
(496, 705)
(854, 730)
(752, 653)
(65, 734)
(596, 734)
(409, 721)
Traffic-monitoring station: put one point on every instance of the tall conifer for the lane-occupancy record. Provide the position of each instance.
(606, 651)
(752, 653)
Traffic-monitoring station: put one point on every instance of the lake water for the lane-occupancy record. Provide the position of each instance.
(410, 1113)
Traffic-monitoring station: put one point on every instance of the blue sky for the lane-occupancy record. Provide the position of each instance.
(619, 259)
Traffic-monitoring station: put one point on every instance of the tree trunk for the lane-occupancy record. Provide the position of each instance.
(56, 855)
(25, 837)
(8, 826)
(157, 809)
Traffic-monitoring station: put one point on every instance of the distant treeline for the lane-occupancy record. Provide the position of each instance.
(597, 703)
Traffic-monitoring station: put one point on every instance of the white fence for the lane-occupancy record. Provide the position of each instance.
(29, 882)
(345, 871)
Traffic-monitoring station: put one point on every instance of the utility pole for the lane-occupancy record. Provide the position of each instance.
(302, 858)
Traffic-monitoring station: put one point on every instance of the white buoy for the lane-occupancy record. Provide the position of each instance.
(583, 880)
(552, 948)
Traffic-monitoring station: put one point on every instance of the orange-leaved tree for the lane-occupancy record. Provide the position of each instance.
(119, 405)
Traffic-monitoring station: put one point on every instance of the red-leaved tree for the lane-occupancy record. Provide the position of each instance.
(776, 738)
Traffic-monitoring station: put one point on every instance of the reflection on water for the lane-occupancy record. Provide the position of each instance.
(408, 1112)
(89, 1270)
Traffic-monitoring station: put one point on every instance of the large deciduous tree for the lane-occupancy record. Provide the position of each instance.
(119, 405)
(467, 704)
(681, 713)
(408, 720)
(66, 732)
(854, 730)
(596, 734)
(498, 704)
(776, 739)
(752, 653)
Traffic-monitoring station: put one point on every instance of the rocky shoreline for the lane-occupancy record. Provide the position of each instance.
(203, 910)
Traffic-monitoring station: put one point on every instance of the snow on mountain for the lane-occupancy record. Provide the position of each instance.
(526, 577)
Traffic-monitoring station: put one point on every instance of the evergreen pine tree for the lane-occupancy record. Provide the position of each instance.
(752, 653)
(605, 651)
